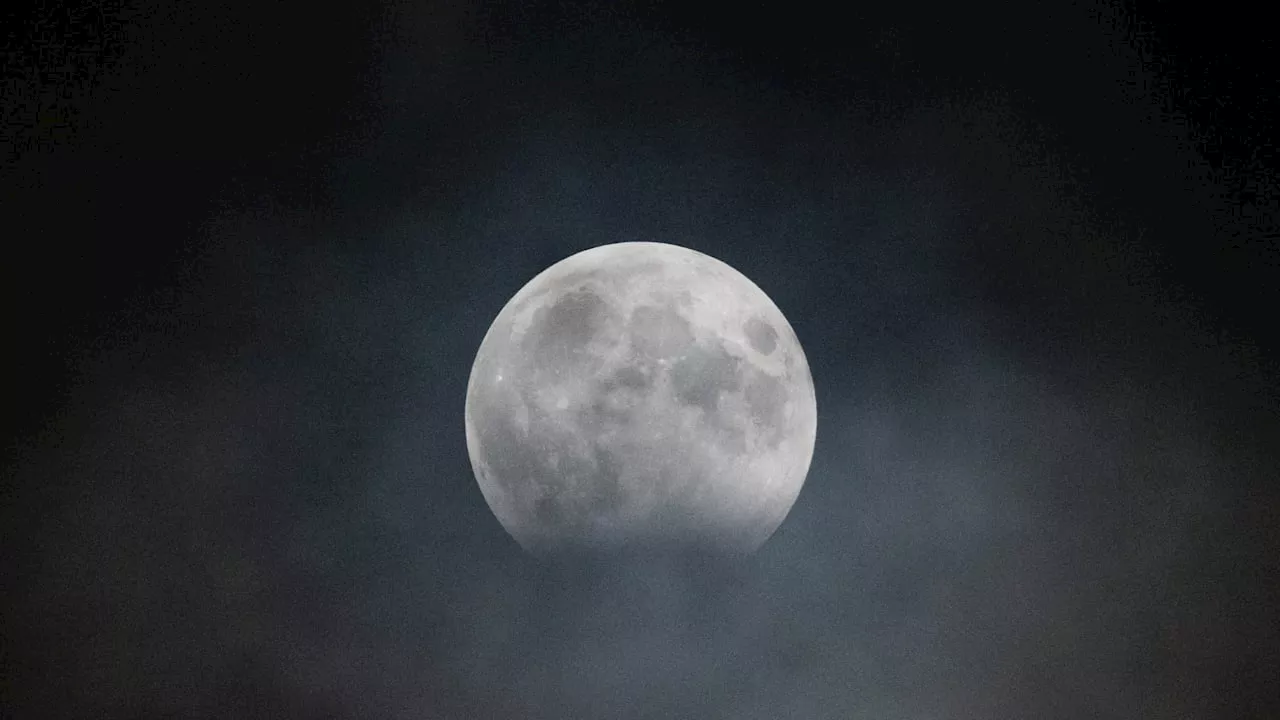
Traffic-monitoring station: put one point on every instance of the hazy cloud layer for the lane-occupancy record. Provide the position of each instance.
(1039, 487)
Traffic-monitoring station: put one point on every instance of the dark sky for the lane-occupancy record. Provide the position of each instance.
(251, 250)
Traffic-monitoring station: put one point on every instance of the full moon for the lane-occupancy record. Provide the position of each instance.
(640, 395)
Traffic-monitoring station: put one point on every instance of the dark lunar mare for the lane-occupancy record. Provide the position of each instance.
(761, 335)
(700, 378)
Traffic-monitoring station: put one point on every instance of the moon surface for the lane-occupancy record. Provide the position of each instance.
(640, 395)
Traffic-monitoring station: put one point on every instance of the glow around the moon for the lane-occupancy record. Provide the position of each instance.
(640, 394)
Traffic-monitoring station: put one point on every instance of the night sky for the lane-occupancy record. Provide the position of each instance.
(251, 250)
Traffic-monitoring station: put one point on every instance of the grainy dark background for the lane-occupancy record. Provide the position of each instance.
(251, 249)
